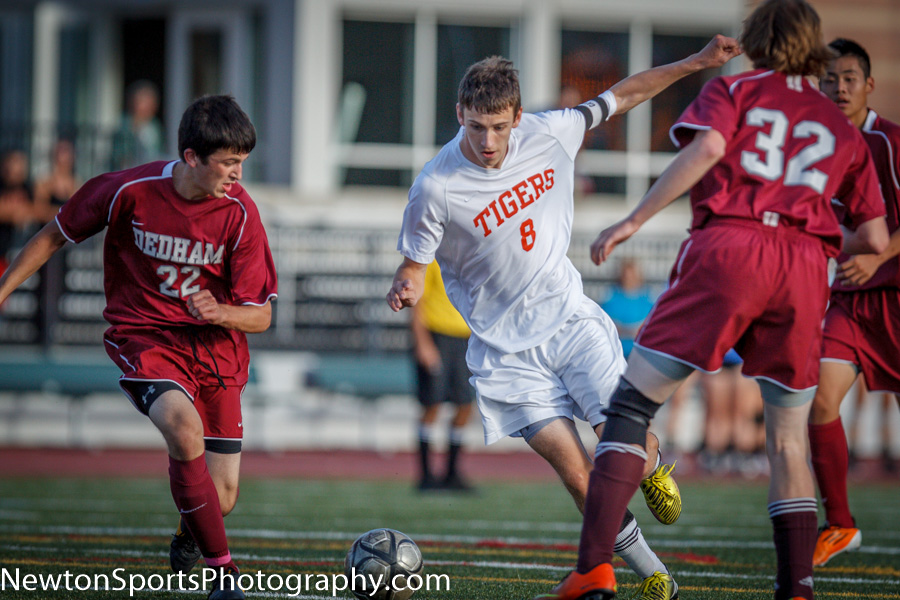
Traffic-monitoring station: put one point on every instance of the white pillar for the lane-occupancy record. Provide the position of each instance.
(48, 18)
(640, 58)
(425, 81)
(317, 66)
(539, 45)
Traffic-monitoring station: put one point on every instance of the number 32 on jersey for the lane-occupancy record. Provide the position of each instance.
(799, 169)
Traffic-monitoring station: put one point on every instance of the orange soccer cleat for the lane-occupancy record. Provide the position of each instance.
(834, 540)
(597, 584)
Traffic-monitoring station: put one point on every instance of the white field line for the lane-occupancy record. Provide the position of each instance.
(657, 532)
(683, 574)
(276, 534)
(710, 574)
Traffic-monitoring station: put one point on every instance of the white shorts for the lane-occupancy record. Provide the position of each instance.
(572, 375)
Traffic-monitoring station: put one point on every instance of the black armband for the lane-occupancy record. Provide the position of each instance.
(599, 109)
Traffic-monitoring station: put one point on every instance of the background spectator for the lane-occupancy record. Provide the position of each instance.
(440, 340)
(57, 186)
(140, 136)
(734, 437)
(628, 303)
(16, 201)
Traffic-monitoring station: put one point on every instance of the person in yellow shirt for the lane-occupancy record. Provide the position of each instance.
(440, 340)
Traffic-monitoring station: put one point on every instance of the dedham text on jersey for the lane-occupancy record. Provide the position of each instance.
(176, 249)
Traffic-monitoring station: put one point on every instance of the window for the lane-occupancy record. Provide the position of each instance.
(74, 50)
(378, 63)
(206, 59)
(376, 95)
(458, 47)
(591, 63)
(670, 103)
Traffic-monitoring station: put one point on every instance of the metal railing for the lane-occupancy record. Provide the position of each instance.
(331, 291)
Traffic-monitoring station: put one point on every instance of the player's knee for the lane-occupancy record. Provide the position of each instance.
(825, 408)
(181, 427)
(786, 448)
(577, 486)
(576, 481)
(228, 497)
(652, 446)
(184, 439)
(628, 415)
(430, 414)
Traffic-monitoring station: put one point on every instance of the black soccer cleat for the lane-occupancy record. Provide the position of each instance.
(225, 586)
(183, 551)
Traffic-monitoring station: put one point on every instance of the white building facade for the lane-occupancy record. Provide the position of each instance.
(351, 97)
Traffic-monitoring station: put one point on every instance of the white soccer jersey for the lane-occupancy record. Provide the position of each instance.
(501, 235)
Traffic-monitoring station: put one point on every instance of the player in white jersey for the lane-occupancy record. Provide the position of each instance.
(495, 207)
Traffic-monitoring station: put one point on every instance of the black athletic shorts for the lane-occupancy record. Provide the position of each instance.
(451, 384)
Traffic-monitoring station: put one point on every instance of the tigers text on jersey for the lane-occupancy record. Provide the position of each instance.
(161, 248)
(501, 235)
(790, 150)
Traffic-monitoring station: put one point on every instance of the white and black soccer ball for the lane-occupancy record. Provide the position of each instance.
(386, 556)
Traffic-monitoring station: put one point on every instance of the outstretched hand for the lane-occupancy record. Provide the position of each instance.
(609, 238)
(718, 51)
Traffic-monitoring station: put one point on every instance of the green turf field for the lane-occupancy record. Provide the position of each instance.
(510, 541)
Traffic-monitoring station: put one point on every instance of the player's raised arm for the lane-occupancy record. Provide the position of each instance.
(692, 163)
(36, 252)
(642, 86)
(409, 280)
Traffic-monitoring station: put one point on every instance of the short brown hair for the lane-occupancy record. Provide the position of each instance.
(786, 36)
(214, 123)
(490, 86)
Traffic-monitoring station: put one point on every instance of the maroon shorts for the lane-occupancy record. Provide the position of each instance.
(863, 328)
(762, 290)
(203, 362)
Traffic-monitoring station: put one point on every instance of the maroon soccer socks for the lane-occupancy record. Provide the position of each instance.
(616, 476)
(197, 500)
(794, 526)
(830, 460)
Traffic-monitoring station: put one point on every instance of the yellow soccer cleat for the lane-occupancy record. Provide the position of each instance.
(662, 495)
(659, 586)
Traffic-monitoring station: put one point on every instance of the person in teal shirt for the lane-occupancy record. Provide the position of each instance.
(628, 304)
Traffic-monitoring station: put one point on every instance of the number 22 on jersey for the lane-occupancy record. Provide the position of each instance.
(187, 287)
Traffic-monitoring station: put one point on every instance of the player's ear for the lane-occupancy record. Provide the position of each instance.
(518, 118)
(870, 85)
(459, 114)
(190, 157)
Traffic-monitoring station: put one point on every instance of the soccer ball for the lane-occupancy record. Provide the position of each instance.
(386, 558)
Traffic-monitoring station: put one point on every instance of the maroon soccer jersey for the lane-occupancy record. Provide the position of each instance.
(789, 151)
(160, 248)
(883, 138)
